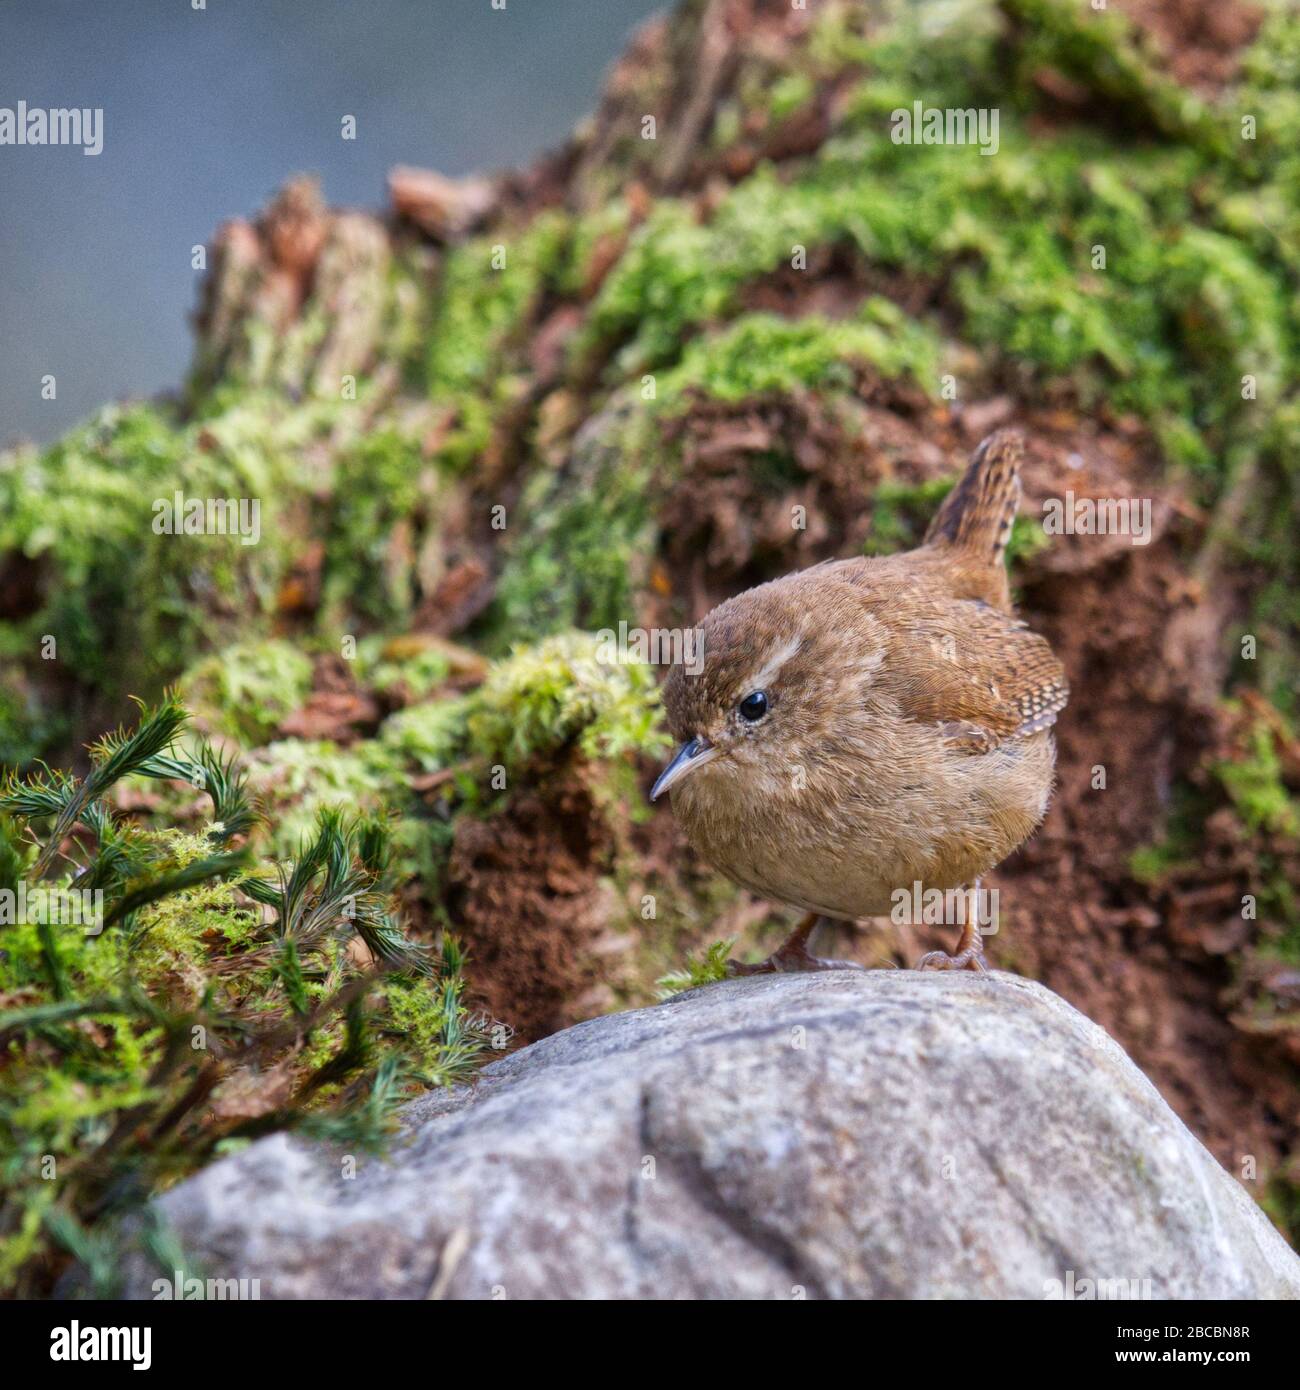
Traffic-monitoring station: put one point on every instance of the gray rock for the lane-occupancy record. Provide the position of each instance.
(830, 1136)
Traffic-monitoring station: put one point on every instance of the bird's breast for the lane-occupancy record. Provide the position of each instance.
(844, 845)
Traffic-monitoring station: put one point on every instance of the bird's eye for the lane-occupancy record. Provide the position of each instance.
(754, 707)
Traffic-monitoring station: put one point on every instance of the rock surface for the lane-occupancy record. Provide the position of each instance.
(829, 1136)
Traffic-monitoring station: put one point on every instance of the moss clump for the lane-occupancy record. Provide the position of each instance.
(560, 693)
(249, 689)
(1255, 787)
(1098, 49)
(406, 667)
(1191, 296)
(82, 508)
(88, 512)
(432, 736)
(1150, 863)
(589, 241)
(1028, 538)
(549, 700)
(759, 354)
(699, 970)
(678, 273)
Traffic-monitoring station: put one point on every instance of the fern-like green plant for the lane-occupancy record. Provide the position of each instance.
(211, 997)
(702, 970)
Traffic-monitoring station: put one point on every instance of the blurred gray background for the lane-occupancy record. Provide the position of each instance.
(206, 113)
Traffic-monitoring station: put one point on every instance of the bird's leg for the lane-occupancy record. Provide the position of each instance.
(793, 955)
(970, 946)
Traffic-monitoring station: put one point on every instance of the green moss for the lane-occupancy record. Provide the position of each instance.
(790, 93)
(121, 595)
(1189, 299)
(1254, 785)
(174, 940)
(431, 1025)
(82, 508)
(1281, 1200)
(1098, 48)
(702, 970)
(1150, 863)
(206, 970)
(561, 692)
(760, 354)
(1183, 836)
(412, 667)
(589, 535)
(383, 503)
(900, 512)
(1264, 539)
(1196, 290)
(1028, 538)
(249, 689)
(678, 273)
(588, 237)
(432, 736)
(483, 311)
(538, 702)
(295, 779)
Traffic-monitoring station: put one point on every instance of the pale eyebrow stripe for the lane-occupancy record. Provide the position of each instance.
(774, 664)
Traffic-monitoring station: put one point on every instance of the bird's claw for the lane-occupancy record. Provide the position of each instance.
(972, 958)
(792, 956)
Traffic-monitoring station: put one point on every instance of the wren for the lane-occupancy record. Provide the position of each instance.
(872, 724)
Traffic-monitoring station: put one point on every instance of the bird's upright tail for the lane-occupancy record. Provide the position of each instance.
(976, 515)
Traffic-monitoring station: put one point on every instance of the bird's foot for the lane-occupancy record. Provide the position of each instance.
(793, 956)
(970, 957)
(970, 947)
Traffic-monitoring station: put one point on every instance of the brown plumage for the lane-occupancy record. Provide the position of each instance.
(871, 724)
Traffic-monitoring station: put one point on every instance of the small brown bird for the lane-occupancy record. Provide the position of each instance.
(870, 725)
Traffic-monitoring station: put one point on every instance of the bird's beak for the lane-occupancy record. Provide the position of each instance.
(690, 755)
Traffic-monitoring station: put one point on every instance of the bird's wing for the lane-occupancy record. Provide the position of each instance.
(979, 674)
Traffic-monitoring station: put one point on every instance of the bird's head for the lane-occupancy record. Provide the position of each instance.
(775, 682)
